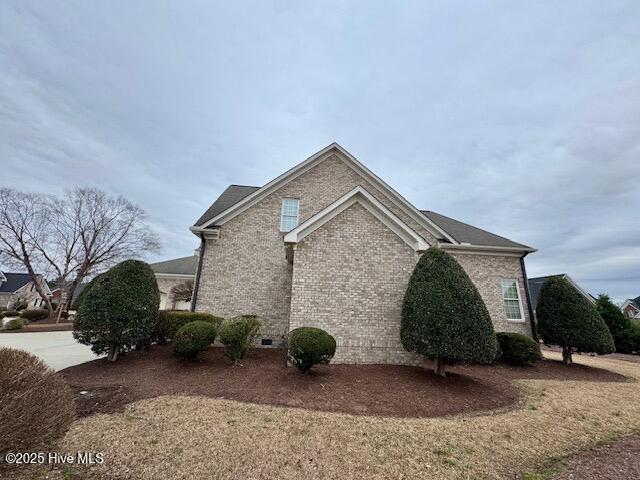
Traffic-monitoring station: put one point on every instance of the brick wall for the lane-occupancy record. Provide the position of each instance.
(245, 270)
(486, 271)
(349, 278)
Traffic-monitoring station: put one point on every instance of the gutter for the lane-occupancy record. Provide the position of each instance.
(196, 285)
(532, 320)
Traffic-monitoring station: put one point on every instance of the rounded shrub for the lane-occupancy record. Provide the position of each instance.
(35, 315)
(192, 338)
(11, 313)
(119, 310)
(443, 315)
(171, 321)
(237, 334)
(309, 346)
(16, 324)
(625, 333)
(37, 405)
(517, 348)
(567, 319)
(19, 305)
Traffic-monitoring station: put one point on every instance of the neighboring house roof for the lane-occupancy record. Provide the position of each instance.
(451, 232)
(369, 202)
(535, 285)
(14, 282)
(632, 302)
(465, 233)
(177, 266)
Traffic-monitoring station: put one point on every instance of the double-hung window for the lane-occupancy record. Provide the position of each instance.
(289, 217)
(511, 297)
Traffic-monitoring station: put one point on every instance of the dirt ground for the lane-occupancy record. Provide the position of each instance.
(619, 460)
(387, 390)
(191, 437)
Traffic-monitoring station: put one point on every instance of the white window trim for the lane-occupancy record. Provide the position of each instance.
(513, 320)
(282, 229)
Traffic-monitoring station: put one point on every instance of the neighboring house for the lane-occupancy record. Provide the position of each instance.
(18, 286)
(329, 244)
(173, 273)
(631, 307)
(535, 285)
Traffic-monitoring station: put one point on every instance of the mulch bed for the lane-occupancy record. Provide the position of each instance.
(387, 390)
(618, 460)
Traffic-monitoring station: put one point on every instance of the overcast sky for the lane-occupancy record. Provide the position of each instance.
(517, 117)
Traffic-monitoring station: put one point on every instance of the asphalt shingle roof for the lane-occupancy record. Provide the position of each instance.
(14, 282)
(460, 231)
(232, 195)
(177, 266)
(465, 233)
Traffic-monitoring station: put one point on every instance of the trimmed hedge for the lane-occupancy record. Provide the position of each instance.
(237, 334)
(308, 346)
(120, 310)
(16, 324)
(443, 315)
(518, 349)
(193, 337)
(11, 313)
(625, 333)
(37, 405)
(170, 321)
(35, 315)
(567, 319)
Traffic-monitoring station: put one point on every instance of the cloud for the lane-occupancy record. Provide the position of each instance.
(518, 118)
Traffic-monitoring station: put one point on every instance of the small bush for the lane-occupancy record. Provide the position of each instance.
(36, 407)
(1, 315)
(171, 321)
(194, 337)
(237, 334)
(16, 324)
(35, 315)
(308, 346)
(518, 349)
(19, 305)
(11, 313)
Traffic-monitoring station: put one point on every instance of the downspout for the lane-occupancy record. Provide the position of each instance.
(534, 329)
(194, 298)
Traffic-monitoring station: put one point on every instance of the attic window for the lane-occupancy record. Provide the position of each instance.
(289, 217)
(511, 297)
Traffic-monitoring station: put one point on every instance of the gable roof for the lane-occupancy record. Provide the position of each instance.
(306, 165)
(536, 284)
(451, 232)
(14, 282)
(465, 233)
(369, 202)
(634, 302)
(177, 266)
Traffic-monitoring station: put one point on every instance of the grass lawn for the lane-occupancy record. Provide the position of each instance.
(189, 437)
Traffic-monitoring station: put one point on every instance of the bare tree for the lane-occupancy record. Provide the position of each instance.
(71, 238)
(24, 224)
(182, 292)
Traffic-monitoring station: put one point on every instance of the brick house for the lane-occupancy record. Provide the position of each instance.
(331, 245)
(19, 287)
(631, 307)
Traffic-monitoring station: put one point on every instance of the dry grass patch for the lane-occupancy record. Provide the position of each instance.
(195, 437)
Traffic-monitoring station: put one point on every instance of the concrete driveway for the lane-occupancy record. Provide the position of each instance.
(58, 349)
